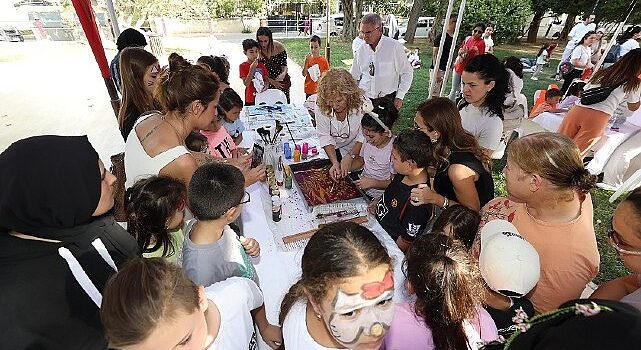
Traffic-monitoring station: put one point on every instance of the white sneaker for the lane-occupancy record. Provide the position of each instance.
(534, 78)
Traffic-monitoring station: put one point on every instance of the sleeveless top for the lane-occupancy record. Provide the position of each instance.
(484, 185)
(138, 164)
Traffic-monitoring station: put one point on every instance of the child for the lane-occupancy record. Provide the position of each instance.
(411, 155)
(212, 252)
(220, 144)
(165, 310)
(414, 59)
(315, 63)
(448, 312)
(510, 267)
(155, 212)
(541, 59)
(458, 222)
(573, 95)
(343, 299)
(552, 98)
(232, 104)
(376, 150)
(251, 69)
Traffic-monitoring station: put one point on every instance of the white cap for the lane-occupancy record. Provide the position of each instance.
(508, 262)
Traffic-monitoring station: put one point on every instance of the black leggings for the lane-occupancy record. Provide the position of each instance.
(567, 79)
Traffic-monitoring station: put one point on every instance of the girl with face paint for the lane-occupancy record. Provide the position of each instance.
(344, 297)
(447, 313)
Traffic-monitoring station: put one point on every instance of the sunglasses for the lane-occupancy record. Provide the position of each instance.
(372, 69)
(417, 127)
(340, 135)
(477, 31)
(615, 242)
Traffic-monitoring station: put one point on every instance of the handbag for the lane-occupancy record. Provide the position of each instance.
(597, 94)
(565, 68)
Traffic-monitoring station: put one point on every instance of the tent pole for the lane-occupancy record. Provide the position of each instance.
(437, 61)
(114, 18)
(454, 41)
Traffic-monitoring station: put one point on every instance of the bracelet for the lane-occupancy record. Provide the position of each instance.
(446, 203)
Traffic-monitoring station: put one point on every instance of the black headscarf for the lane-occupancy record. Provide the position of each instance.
(48, 184)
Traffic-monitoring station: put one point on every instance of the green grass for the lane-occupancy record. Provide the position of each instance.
(611, 266)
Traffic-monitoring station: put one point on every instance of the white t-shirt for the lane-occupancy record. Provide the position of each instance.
(489, 43)
(378, 164)
(612, 102)
(582, 53)
(579, 30)
(486, 127)
(295, 332)
(332, 131)
(628, 46)
(542, 58)
(235, 297)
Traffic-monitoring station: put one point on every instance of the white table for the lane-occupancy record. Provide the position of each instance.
(278, 269)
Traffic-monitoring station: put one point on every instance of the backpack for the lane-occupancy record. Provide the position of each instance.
(613, 54)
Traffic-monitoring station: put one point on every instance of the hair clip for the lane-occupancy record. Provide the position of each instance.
(368, 107)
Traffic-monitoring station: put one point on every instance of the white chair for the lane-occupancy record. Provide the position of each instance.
(271, 97)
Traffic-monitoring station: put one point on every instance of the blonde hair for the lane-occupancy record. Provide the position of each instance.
(555, 158)
(338, 81)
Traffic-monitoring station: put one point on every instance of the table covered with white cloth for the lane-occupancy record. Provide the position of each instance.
(279, 266)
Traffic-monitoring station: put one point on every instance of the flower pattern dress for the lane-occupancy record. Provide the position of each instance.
(274, 66)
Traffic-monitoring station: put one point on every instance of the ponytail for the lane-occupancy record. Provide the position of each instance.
(294, 293)
(583, 181)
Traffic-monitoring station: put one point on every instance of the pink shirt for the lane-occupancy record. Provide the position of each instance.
(219, 143)
(408, 331)
(378, 163)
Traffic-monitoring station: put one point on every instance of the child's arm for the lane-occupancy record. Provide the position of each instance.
(306, 65)
(250, 76)
(272, 335)
(367, 182)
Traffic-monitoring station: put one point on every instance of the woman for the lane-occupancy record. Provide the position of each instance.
(549, 203)
(598, 46)
(274, 56)
(188, 96)
(580, 59)
(128, 38)
(338, 119)
(485, 84)
(447, 313)
(511, 109)
(472, 46)
(344, 296)
(59, 245)
(585, 124)
(139, 70)
(463, 175)
(629, 40)
(625, 237)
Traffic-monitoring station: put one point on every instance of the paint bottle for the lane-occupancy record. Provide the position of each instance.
(297, 155)
(287, 151)
(305, 151)
(276, 209)
(279, 172)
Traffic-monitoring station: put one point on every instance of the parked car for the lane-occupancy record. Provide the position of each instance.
(424, 26)
(10, 34)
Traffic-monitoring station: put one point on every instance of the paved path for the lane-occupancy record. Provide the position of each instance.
(56, 88)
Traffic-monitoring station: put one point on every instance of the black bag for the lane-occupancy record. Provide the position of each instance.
(597, 94)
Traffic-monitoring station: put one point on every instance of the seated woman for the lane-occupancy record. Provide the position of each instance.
(344, 296)
(59, 244)
(463, 175)
(551, 207)
(625, 237)
(338, 120)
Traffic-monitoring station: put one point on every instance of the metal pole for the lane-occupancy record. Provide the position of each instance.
(327, 49)
(461, 9)
(113, 17)
(614, 37)
(439, 54)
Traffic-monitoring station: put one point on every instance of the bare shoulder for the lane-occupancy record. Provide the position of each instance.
(181, 168)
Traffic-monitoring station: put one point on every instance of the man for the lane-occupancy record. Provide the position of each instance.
(128, 38)
(449, 35)
(487, 37)
(575, 35)
(380, 66)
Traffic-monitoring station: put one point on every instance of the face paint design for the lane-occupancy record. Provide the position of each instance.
(153, 75)
(367, 313)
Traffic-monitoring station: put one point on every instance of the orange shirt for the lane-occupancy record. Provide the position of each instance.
(312, 86)
(567, 251)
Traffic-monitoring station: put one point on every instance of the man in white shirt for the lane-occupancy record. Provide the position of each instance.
(380, 65)
(575, 35)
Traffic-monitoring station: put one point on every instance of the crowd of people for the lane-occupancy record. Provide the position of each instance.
(478, 269)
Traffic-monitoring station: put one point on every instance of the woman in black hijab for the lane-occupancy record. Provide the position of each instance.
(58, 245)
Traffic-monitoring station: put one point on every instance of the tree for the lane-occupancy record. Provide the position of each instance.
(413, 18)
(349, 25)
(510, 16)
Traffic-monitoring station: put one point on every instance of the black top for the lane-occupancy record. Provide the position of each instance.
(397, 215)
(275, 63)
(484, 185)
(503, 319)
(446, 49)
(130, 120)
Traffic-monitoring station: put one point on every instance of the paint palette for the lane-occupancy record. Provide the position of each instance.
(317, 187)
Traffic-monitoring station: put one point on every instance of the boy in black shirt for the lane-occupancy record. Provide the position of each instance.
(411, 155)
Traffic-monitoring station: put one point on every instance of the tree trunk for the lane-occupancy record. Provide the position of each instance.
(349, 27)
(358, 9)
(413, 19)
(533, 30)
(569, 23)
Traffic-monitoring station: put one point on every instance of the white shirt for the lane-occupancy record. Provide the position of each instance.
(378, 164)
(392, 71)
(542, 58)
(579, 30)
(235, 297)
(583, 54)
(628, 46)
(356, 44)
(327, 125)
(486, 127)
(295, 332)
(489, 43)
(612, 102)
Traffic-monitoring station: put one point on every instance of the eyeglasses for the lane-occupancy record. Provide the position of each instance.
(615, 242)
(372, 69)
(477, 31)
(340, 135)
(369, 31)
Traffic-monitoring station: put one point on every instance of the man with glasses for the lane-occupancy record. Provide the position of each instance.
(381, 67)
(471, 46)
(445, 56)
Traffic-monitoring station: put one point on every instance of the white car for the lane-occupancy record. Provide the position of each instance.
(424, 26)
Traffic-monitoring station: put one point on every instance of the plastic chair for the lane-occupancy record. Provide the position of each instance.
(271, 97)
